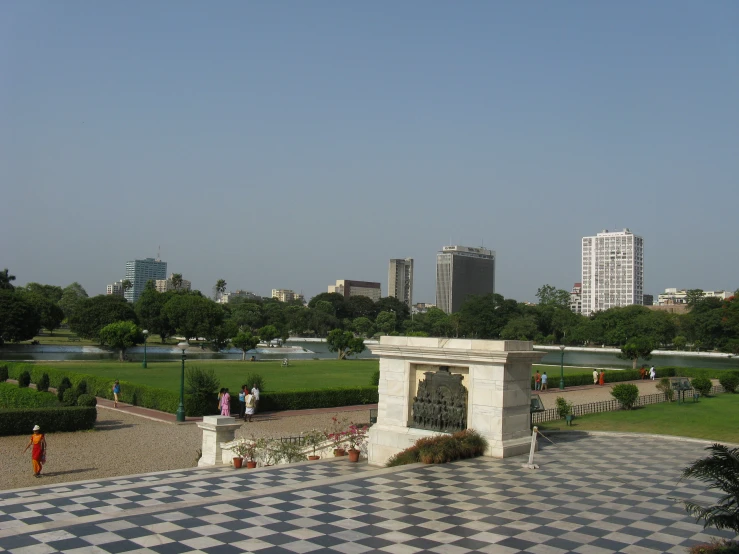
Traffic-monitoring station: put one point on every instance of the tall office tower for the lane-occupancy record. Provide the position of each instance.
(400, 280)
(462, 271)
(139, 272)
(612, 270)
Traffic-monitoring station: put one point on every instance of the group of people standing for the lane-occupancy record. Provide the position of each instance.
(248, 401)
(647, 373)
(540, 381)
(599, 378)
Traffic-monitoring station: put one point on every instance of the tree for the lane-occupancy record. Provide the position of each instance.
(635, 349)
(176, 280)
(72, 295)
(679, 342)
(247, 315)
(121, 335)
(245, 341)
(220, 335)
(392, 304)
(363, 326)
(5, 279)
(693, 296)
(386, 322)
(344, 343)
(92, 314)
(721, 471)
(50, 314)
(150, 311)
(549, 295)
(485, 316)
(50, 292)
(219, 288)
(19, 320)
(268, 333)
(519, 328)
(360, 306)
(126, 285)
(335, 299)
(437, 322)
(193, 315)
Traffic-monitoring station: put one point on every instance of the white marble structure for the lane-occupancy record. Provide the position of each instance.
(217, 430)
(497, 375)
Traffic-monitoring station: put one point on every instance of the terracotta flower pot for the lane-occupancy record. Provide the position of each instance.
(251, 465)
(353, 455)
(339, 452)
(237, 463)
(314, 457)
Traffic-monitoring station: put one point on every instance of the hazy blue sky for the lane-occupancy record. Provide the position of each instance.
(290, 144)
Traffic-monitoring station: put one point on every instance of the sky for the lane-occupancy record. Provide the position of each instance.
(291, 144)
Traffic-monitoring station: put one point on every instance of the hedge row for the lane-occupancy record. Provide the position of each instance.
(51, 420)
(302, 400)
(12, 396)
(612, 376)
(132, 393)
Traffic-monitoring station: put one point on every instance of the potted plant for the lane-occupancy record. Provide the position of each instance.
(356, 437)
(266, 451)
(565, 409)
(250, 452)
(313, 438)
(240, 448)
(337, 435)
(288, 452)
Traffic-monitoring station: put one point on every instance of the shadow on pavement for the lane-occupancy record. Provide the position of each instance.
(111, 424)
(68, 472)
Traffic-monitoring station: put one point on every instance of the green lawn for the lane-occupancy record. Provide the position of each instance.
(300, 374)
(711, 419)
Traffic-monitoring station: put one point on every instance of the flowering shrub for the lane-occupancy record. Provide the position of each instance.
(313, 438)
(246, 449)
(337, 433)
(356, 436)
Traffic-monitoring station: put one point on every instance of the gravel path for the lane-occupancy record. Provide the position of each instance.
(124, 444)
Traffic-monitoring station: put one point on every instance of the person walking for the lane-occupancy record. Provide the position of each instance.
(250, 407)
(116, 392)
(652, 373)
(544, 380)
(537, 380)
(242, 401)
(255, 394)
(595, 376)
(226, 403)
(38, 452)
(602, 378)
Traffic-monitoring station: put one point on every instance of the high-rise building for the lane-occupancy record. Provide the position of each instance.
(139, 272)
(164, 285)
(286, 295)
(576, 298)
(115, 289)
(227, 297)
(348, 288)
(400, 280)
(612, 270)
(462, 271)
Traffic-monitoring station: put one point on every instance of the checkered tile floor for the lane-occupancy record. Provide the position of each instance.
(591, 495)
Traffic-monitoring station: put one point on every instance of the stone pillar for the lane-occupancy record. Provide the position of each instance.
(497, 375)
(216, 430)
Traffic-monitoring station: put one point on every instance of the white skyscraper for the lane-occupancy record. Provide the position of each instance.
(612, 270)
(400, 280)
(139, 272)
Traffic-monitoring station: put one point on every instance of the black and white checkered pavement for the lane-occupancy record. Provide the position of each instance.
(592, 494)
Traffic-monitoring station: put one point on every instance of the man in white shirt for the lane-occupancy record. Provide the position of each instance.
(595, 376)
(652, 373)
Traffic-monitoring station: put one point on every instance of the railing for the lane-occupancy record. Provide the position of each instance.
(294, 440)
(605, 406)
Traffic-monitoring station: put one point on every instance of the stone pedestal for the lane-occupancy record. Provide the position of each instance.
(216, 430)
(497, 375)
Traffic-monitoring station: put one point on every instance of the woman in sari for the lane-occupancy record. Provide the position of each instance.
(602, 378)
(226, 403)
(38, 452)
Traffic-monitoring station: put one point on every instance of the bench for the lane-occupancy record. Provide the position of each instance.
(74, 339)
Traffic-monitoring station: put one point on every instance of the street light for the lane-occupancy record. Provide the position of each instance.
(146, 335)
(562, 368)
(181, 408)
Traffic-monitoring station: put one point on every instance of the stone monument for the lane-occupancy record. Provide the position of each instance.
(433, 385)
(217, 430)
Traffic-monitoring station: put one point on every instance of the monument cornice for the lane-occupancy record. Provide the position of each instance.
(450, 355)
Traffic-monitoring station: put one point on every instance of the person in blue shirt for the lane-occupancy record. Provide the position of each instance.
(544, 380)
(116, 392)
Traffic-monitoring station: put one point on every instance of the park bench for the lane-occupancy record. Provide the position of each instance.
(73, 339)
(681, 385)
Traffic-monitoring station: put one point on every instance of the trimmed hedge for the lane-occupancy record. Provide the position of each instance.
(51, 420)
(138, 395)
(612, 376)
(3, 373)
(14, 397)
(309, 399)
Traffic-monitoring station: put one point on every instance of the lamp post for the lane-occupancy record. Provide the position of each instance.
(181, 408)
(562, 368)
(146, 335)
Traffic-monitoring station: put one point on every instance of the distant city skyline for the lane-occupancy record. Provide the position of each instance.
(294, 144)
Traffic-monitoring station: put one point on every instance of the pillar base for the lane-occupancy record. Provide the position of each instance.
(216, 430)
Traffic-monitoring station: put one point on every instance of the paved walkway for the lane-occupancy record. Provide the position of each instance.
(587, 497)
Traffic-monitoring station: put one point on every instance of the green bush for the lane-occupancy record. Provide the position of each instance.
(564, 408)
(3, 373)
(81, 388)
(70, 397)
(24, 379)
(729, 382)
(702, 385)
(441, 449)
(62, 388)
(626, 394)
(665, 386)
(14, 397)
(375, 379)
(252, 379)
(51, 420)
(87, 400)
(43, 383)
(308, 399)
